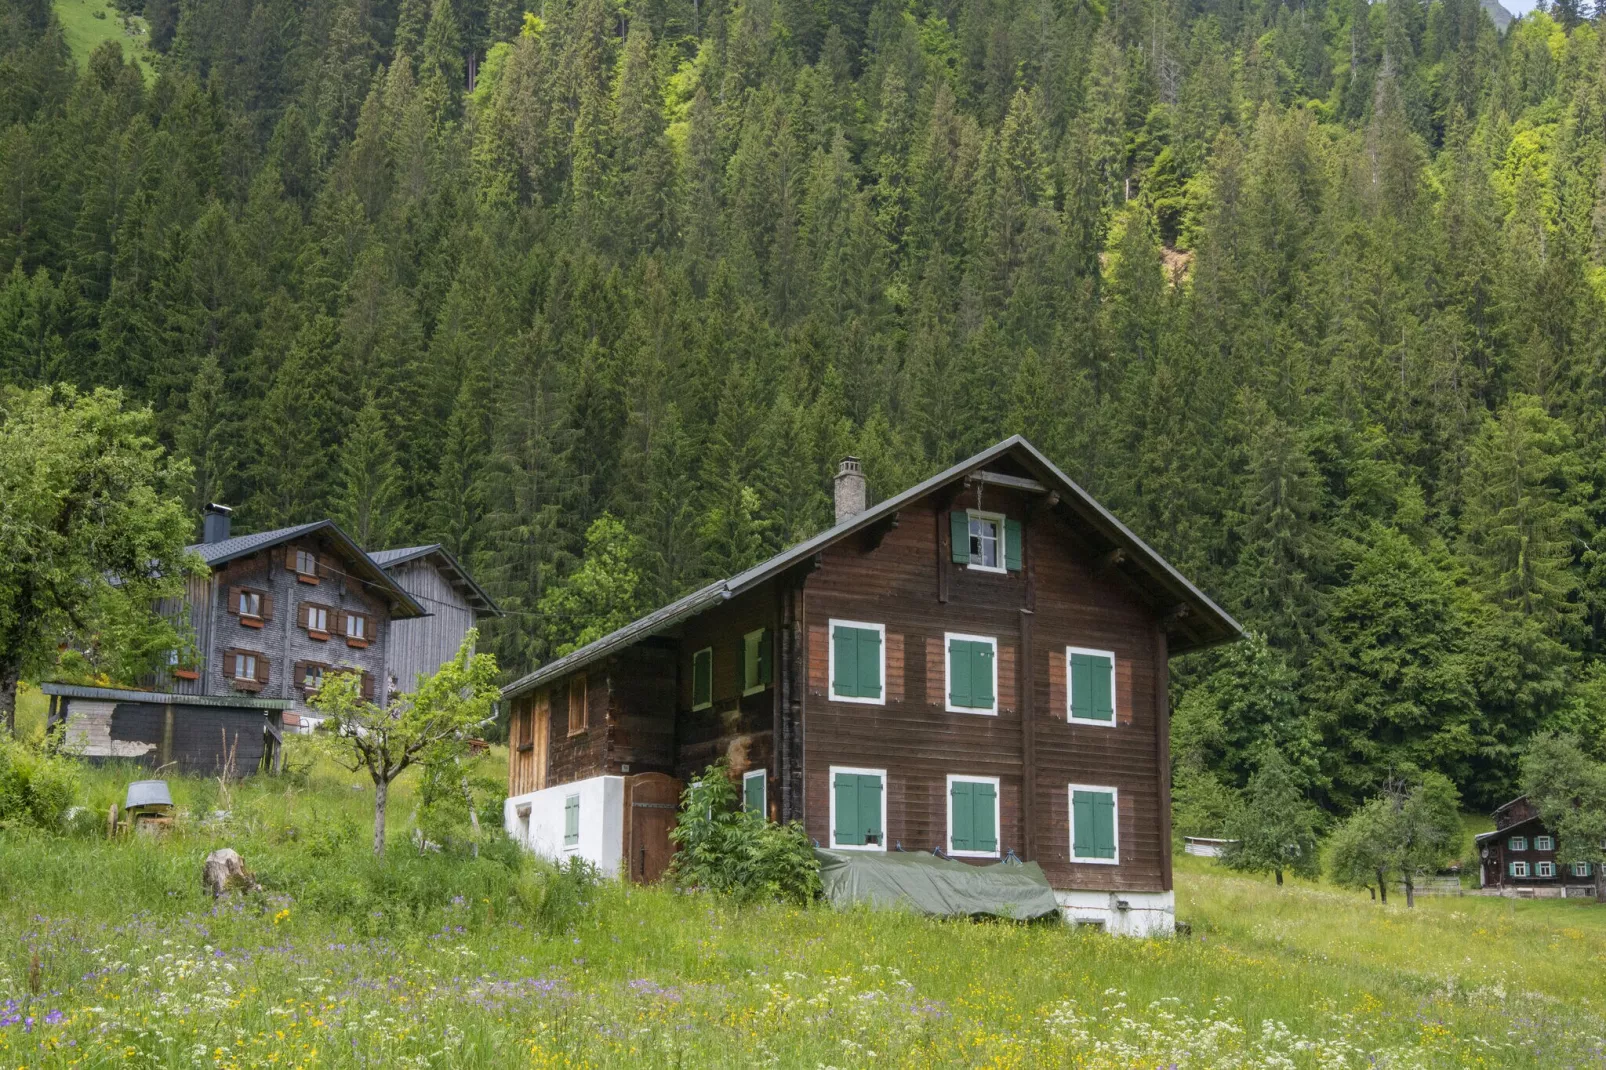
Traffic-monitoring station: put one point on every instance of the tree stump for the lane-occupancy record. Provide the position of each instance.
(224, 870)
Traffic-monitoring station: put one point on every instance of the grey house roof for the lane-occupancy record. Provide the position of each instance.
(366, 569)
(1210, 624)
(456, 574)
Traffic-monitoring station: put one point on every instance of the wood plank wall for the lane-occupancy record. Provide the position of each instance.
(903, 584)
(739, 727)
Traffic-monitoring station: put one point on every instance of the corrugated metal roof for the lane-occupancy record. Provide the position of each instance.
(216, 554)
(484, 605)
(163, 698)
(401, 554)
(1089, 510)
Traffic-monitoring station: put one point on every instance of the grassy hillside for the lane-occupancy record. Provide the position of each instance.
(116, 957)
(89, 22)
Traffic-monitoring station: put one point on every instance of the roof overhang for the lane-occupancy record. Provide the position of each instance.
(163, 698)
(481, 603)
(366, 570)
(1193, 620)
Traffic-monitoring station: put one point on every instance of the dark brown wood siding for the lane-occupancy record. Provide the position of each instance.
(902, 584)
(739, 727)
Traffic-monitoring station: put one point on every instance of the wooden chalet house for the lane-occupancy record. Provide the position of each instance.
(976, 665)
(274, 612)
(1519, 857)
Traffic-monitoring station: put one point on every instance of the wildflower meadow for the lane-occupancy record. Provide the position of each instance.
(111, 955)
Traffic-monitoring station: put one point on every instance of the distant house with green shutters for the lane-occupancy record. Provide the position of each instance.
(976, 666)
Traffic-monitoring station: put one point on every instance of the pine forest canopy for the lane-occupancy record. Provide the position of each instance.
(1310, 295)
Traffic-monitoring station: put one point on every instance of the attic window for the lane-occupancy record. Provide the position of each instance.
(306, 565)
(985, 532)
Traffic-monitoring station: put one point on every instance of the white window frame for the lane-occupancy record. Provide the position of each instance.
(1544, 843)
(1517, 843)
(312, 669)
(246, 594)
(1003, 555)
(831, 789)
(238, 659)
(578, 809)
(310, 557)
(1519, 869)
(313, 611)
(1115, 697)
(1541, 867)
(998, 814)
(758, 659)
(1581, 869)
(1070, 823)
(948, 673)
(830, 668)
(695, 654)
(361, 623)
(763, 774)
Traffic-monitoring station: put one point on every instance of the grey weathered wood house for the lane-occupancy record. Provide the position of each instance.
(976, 665)
(273, 613)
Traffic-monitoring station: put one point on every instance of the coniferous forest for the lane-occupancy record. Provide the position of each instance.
(1309, 294)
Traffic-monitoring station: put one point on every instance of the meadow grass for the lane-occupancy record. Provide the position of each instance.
(85, 29)
(110, 955)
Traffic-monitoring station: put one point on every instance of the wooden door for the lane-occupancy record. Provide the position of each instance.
(650, 802)
(543, 729)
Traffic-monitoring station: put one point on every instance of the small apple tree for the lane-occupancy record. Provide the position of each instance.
(426, 726)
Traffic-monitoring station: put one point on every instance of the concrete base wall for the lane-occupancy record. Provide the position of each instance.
(536, 821)
(1121, 913)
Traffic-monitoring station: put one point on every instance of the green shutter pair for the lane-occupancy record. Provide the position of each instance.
(571, 821)
(1093, 823)
(858, 809)
(1092, 687)
(753, 791)
(970, 673)
(702, 678)
(756, 660)
(974, 806)
(856, 653)
(959, 532)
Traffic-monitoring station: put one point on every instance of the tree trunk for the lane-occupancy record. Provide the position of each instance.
(1383, 887)
(1600, 883)
(8, 699)
(381, 797)
(1279, 878)
(1410, 894)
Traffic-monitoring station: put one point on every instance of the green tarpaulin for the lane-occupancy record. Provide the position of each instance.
(930, 885)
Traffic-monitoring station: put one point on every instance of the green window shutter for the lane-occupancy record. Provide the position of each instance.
(869, 643)
(1082, 823)
(960, 801)
(845, 651)
(1092, 697)
(702, 677)
(959, 672)
(959, 527)
(1093, 818)
(985, 816)
(870, 808)
(753, 795)
(571, 821)
(981, 675)
(1104, 825)
(846, 791)
(766, 668)
(1012, 545)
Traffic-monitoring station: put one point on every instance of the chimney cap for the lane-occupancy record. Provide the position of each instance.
(218, 507)
(850, 463)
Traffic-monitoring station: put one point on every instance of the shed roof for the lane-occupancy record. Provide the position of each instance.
(164, 698)
(455, 573)
(368, 571)
(1208, 623)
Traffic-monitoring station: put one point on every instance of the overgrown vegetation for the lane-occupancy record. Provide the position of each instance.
(732, 851)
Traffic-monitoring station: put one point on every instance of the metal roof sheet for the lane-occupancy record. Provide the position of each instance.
(163, 698)
(1088, 510)
(484, 604)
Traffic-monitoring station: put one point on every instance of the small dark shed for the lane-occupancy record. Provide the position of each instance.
(194, 733)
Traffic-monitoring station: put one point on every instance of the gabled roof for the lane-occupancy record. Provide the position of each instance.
(455, 574)
(1207, 623)
(365, 569)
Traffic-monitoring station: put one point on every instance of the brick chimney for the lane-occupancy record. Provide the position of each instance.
(851, 490)
(215, 523)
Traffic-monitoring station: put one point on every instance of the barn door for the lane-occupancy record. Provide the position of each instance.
(650, 802)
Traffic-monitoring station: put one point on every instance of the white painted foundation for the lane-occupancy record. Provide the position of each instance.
(535, 820)
(1121, 913)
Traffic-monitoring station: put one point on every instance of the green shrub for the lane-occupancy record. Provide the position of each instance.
(736, 852)
(554, 898)
(37, 787)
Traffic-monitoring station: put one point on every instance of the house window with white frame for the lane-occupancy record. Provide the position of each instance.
(311, 676)
(973, 816)
(250, 604)
(1544, 869)
(1517, 843)
(986, 541)
(1095, 824)
(972, 673)
(1090, 686)
(1544, 843)
(356, 626)
(306, 563)
(1582, 869)
(858, 809)
(755, 792)
(317, 619)
(858, 662)
(1519, 869)
(756, 662)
